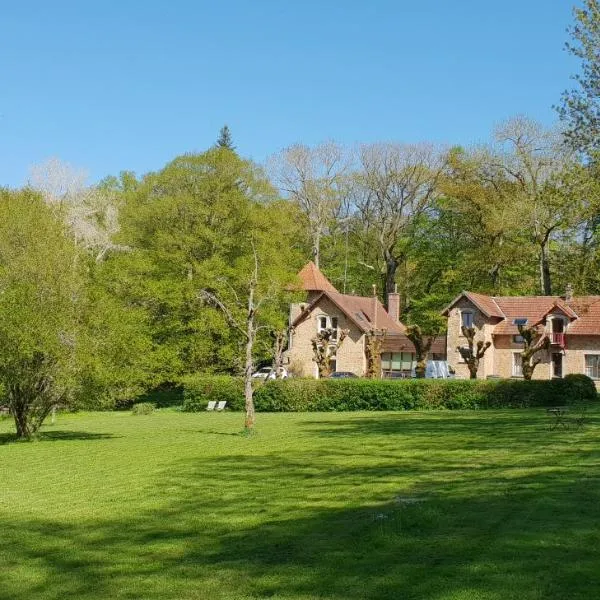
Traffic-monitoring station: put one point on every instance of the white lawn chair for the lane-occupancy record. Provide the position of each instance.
(221, 405)
(211, 405)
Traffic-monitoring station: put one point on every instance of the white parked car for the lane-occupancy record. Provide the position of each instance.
(269, 373)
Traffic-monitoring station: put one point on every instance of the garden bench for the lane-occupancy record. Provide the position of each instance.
(211, 405)
(221, 405)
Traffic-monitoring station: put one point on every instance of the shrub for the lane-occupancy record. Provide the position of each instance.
(584, 385)
(198, 390)
(297, 395)
(143, 408)
(357, 394)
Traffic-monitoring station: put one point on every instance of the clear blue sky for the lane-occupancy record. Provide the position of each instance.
(114, 85)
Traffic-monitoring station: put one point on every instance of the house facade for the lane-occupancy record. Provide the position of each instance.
(572, 325)
(326, 308)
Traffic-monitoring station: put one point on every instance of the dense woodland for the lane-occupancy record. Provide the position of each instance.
(111, 289)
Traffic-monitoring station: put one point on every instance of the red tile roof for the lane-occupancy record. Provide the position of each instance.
(361, 311)
(582, 311)
(312, 280)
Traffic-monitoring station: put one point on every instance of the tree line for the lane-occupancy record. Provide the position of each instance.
(112, 289)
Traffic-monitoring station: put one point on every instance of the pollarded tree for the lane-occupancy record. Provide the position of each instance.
(41, 299)
(325, 346)
(422, 346)
(473, 352)
(534, 342)
(374, 340)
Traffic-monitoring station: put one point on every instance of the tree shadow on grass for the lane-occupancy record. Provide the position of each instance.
(268, 526)
(56, 436)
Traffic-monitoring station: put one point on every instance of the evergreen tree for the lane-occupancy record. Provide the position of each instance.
(225, 140)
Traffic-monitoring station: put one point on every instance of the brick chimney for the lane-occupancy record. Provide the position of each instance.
(569, 293)
(394, 304)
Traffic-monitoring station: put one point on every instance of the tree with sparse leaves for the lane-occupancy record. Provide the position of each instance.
(422, 346)
(534, 342)
(374, 340)
(473, 352)
(325, 346)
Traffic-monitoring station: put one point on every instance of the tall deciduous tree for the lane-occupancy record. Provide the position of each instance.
(580, 106)
(542, 170)
(315, 179)
(394, 188)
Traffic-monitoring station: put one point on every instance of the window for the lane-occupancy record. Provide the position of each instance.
(466, 319)
(324, 322)
(517, 365)
(395, 364)
(334, 326)
(592, 365)
(557, 365)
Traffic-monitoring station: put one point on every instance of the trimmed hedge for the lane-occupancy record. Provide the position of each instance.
(296, 395)
(198, 390)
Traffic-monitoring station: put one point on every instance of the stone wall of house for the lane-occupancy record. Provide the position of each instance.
(573, 356)
(455, 339)
(350, 357)
(577, 347)
(505, 347)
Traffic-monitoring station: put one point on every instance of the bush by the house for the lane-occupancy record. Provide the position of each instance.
(198, 390)
(297, 395)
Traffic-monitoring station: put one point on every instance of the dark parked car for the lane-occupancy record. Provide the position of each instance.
(342, 375)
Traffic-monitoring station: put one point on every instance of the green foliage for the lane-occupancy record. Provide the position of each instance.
(423, 394)
(143, 408)
(580, 108)
(225, 140)
(192, 226)
(42, 298)
(198, 390)
(582, 385)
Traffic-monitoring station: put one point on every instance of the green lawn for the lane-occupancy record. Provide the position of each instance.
(432, 505)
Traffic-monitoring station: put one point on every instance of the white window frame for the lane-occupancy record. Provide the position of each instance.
(513, 365)
(465, 311)
(586, 354)
(328, 324)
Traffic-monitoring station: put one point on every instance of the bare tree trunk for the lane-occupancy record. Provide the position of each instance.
(389, 279)
(248, 392)
(545, 278)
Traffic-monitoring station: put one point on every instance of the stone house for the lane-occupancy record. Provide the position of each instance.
(326, 308)
(572, 325)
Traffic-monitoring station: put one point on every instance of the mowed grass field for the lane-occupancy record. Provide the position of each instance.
(431, 505)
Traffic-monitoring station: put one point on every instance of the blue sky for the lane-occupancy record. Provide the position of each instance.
(128, 85)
